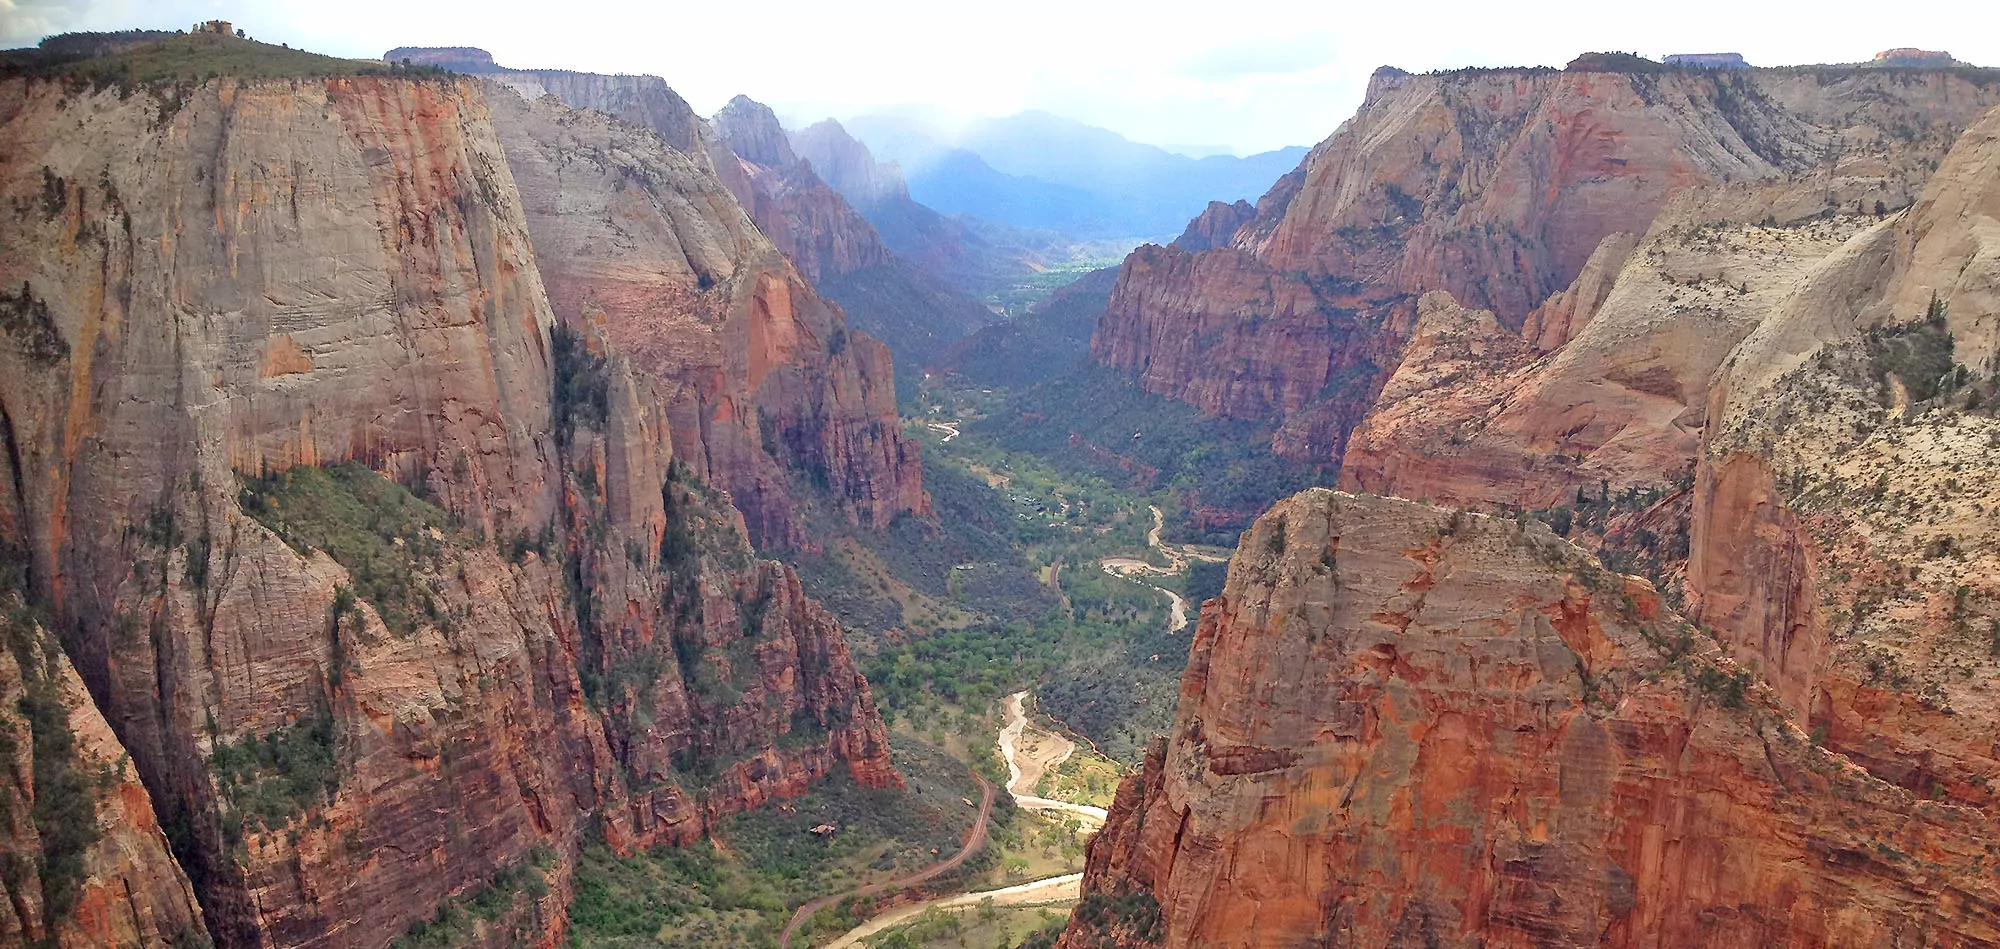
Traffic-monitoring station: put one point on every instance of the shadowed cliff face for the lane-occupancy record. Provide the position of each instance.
(1402, 725)
(765, 384)
(383, 584)
(1521, 193)
(86, 862)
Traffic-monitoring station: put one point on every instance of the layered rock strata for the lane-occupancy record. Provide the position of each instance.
(766, 387)
(385, 582)
(1406, 725)
(1528, 194)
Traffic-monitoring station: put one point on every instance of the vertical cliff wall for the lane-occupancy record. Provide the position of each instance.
(1404, 725)
(1521, 193)
(385, 585)
(767, 387)
(832, 243)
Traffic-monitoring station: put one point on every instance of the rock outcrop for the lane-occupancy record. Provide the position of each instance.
(765, 384)
(808, 220)
(385, 581)
(1548, 199)
(85, 862)
(1842, 531)
(1405, 725)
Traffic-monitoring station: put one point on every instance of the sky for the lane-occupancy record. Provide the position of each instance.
(1240, 75)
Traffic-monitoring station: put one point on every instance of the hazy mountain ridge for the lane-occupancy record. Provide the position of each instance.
(1037, 170)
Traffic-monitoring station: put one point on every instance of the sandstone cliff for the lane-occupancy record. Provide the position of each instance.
(1523, 193)
(1842, 519)
(1403, 725)
(388, 586)
(85, 863)
(766, 388)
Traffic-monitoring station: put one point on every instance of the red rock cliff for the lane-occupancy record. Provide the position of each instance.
(1402, 725)
(1508, 190)
(765, 384)
(238, 279)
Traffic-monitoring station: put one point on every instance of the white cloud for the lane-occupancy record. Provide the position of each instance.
(1253, 74)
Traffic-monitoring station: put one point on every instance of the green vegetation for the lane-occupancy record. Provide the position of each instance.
(1085, 777)
(670, 897)
(582, 385)
(767, 862)
(1615, 62)
(1134, 915)
(25, 319)
(1096, 421)
(977, 926)
(1918, 354)
(386, 537)
(280, 777)
(463, 921)
(1027, 291)
(1034, 346)
(178, 57)
(1204, 581)
(66, 786)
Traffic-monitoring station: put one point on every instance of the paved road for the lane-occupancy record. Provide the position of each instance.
(974, 839)
(1062, 889)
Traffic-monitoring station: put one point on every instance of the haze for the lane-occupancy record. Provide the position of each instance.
(1243, 76)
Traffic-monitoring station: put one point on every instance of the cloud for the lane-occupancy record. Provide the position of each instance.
(1257, 58)
(1251, 74)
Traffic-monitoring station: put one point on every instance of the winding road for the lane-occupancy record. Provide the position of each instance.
(1020, 781)
(974, 839)
(1056, 889)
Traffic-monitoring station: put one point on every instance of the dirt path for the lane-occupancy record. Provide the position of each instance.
(974, 839)
(949, 429)
(1132, 568)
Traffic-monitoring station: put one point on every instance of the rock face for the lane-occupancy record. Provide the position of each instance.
(765, 383)
(237, 310)
(1522, 193)
(1841, 536)
(832, 243)
(86, 863)
(808, 220)
(1402, 725)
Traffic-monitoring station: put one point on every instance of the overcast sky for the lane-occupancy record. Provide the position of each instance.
(1246, 74)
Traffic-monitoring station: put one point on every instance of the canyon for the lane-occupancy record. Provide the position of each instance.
(1597, 215)
(396, 454)
(1403, 724)
(1413, 724)
(396, 513)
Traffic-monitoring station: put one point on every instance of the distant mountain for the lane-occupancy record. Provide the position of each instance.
(968, 250)
(831, 242)
(1037, 170)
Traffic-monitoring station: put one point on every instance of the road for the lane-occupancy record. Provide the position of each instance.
(1177, 555)
(1056, 889)
(1062, 889)
(974, 839)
